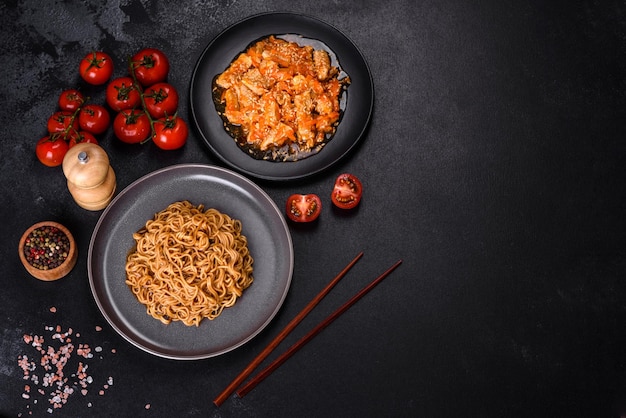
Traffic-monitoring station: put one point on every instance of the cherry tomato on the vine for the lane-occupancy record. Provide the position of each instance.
(70, 100)
(94, 118)
(170, 133)
(96, 68)
(121, 93)
(82, 136)
(50, 150)
(347, 191)
(62, 121)
(161, 100)
(150, 66)
(303, 207)
(131, 126)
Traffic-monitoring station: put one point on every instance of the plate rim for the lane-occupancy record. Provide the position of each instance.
(215, 169)
(358, 136)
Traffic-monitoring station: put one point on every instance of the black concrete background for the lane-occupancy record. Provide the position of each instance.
(493, 166)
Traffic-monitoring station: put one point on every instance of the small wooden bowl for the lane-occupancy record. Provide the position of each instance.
(54, 273)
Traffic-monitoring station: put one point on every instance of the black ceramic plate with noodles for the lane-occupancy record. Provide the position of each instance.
(357, 100)
(269, 242)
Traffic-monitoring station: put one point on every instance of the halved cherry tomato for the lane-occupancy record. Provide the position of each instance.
(303, 207)
(96, 68)
(70, 100)
(347, 191)
(161, 100)
(150, 66)
(51, 149)
(62, 121)
(131, 126)
(82, 136)
(122, 94)
(94, 118)
(170, 133)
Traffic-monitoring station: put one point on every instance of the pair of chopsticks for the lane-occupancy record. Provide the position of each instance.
(294, 322)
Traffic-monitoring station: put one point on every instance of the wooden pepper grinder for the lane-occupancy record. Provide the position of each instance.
(90, 178)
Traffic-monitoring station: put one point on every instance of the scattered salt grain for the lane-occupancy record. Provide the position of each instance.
(53, 371)
(147, 406)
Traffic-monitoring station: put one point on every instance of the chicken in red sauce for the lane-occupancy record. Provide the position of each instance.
(279, 100)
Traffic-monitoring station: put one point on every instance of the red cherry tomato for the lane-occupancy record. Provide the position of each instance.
(170, 133)
(347, 191)
(96, 68)
(121, 93)
(82, 136)
(131, 126)
(70, 100)
(50, 150)
(62, 121)
(303, 207)
(161, 100)
(150, 66)
(94, 118)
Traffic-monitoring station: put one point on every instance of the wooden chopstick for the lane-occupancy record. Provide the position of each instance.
(272, 345)
(292, 350)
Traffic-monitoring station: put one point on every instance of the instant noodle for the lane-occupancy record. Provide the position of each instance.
(189, 263)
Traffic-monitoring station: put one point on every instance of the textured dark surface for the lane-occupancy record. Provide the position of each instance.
(493, 166)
